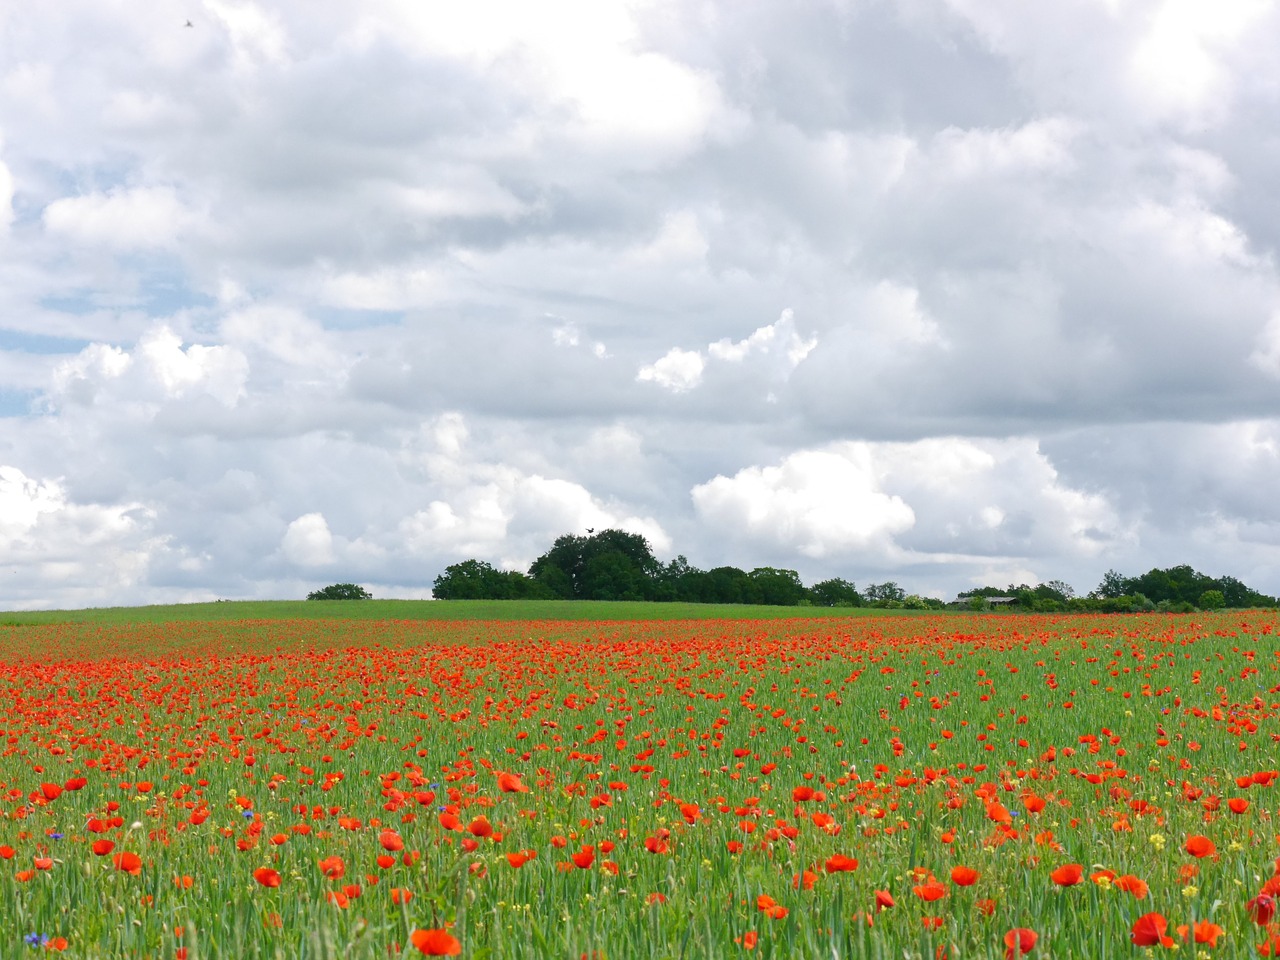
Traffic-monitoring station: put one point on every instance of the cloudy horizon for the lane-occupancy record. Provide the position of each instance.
(945, 292)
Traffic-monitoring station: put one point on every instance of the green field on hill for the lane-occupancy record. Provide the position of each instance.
(434, 610)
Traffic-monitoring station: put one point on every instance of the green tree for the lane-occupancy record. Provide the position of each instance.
(835, 593)
(568, 572)
(477, 580)
(728, 585)
(1211, 600)
(1055, 590)
(777, 588)
(677, 580)
(1112, 587)
(468, 580)
(884, 592)
(1173, 584)
(341, 591)
(612, 576)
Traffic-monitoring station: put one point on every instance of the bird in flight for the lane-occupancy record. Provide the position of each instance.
(188, 24)
(590, 530)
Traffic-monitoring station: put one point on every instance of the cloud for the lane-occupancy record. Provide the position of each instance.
(123, 219)
(55, 551)
(156, 370)
(814, 502)
(677, 370)
(218, 370)
(1266, 355)
(987, 505)
(6, 198)
(462, 278)
(766, 357)
(780, 335)
(500, 512)
(308, 542)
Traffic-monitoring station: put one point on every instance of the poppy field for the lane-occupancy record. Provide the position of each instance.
(942, 786)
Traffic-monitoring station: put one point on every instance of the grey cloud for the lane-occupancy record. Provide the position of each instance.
(1020, 229)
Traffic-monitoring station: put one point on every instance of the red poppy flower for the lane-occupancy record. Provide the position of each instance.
(964, 876)
(1131, 884)
(510, 783)
(128, 862)
(584, 857)
(884, 900)
(1149, 931)
(1199, 846)
(1262, 909)
(338, 898)
(1019, 941)
(1204, 932)
(656, 845)
(436, 943)
(267, 877)
(1067, 875)
(930, 891)
(839, 863)
(806, 879)
(333, 867)
(391, 841)
(102, 847)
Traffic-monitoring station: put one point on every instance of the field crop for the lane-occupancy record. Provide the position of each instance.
(893, 787)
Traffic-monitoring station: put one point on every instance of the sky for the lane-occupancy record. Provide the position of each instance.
(944, 292)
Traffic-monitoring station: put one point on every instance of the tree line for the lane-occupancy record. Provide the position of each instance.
(617, 565)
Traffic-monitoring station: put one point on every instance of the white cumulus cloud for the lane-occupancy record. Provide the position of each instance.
(219, 371)
(121, 219)
(780, 336)
(308, 542)
(816, 502)
(677, 370)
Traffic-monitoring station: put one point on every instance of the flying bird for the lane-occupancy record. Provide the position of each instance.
(590, 530)
(188, 24)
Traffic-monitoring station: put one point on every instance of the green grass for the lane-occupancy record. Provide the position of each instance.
(432, 610)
